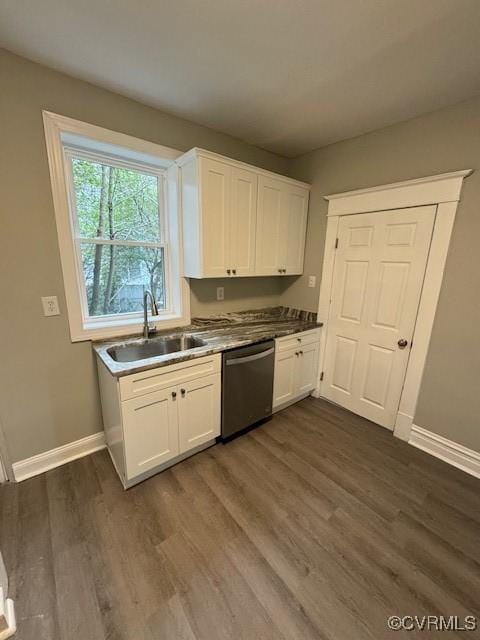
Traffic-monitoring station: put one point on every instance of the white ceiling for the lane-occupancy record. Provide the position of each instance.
(286, 75)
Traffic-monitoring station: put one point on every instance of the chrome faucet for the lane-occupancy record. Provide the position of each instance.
(149, 329)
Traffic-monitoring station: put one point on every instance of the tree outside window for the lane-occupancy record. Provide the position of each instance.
(119, 235)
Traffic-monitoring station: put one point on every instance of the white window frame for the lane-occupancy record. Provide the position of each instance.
(64, 137)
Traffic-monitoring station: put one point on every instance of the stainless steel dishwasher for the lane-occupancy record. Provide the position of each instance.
(247, 387)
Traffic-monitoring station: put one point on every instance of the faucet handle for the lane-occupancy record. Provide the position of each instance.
(154, 307)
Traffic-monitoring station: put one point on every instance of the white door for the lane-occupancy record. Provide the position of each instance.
(243, 222)
(215, 181)
(198, 412)
(270, 227)
(296, 203)
(378, 275)
(307, 363)
(150, 427)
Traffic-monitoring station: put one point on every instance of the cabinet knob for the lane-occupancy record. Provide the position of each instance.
(183, 392)
(228, 271)
(284, 271)
(402, 343)
(299, 339)
(296, 353)
(234, 271)
(174, 394)
(279, 271)
(301, 353)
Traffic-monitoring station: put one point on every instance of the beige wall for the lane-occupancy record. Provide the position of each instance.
(445, 140)
(239, 294)
(48, 386)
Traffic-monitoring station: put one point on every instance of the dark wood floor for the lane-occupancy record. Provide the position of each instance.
(317, 525)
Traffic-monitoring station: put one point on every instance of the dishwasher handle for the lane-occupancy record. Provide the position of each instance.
(255, 356)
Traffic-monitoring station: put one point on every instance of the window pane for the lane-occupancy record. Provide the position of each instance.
(116, 277)
(115, 203)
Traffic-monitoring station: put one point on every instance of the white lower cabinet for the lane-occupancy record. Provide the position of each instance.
(198, 412)
(150, 428)
(307, 368)
(156, 428)
(284, 385)
(296, 366)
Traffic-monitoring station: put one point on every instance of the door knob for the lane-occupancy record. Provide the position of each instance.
(402, 343)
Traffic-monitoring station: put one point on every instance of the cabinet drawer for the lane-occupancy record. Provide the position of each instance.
(144, 382)
(297, 340)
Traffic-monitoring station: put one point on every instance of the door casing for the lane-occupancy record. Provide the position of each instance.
(442, 190)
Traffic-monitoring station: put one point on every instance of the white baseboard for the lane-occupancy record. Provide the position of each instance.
(455, 454)
(42, 462)
(403, 426)
(7, 617)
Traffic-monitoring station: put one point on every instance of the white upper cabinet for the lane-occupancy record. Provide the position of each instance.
(296, 211)
(215, 180)
(243, 221)
(282, 223)
(270, 228)
(239, 220)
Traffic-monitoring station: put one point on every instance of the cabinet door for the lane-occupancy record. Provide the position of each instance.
(307, 368)
(243, 222)
(296, 203)
(285, 376)
(215, 187)
(198, 412)
(270, 227)
(150, 428)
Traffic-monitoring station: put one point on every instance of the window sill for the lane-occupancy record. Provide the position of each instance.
(121, 328)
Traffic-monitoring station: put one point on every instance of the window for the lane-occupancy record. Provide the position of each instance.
(118, 229)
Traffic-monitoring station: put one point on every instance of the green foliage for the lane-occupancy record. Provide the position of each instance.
(115, 203)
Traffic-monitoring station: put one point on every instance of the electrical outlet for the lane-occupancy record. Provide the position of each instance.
(312, 281)
(220, 293)
(50, 306)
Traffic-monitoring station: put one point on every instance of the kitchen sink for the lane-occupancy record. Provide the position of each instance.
(152, 348)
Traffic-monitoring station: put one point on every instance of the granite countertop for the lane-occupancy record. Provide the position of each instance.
(220, 333)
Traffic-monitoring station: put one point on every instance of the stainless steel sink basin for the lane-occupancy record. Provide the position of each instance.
(152, 348)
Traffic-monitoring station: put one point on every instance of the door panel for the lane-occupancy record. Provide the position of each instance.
(270, 220)
(150, 431)
(198, 412)
(215, 184)
(377, 375)
(343, 363)
(390, 294)
(353, 286)
(243, 222)
(378, 275)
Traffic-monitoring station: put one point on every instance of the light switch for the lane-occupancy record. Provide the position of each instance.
(50, 306)
(312, 281)
(220, 293)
